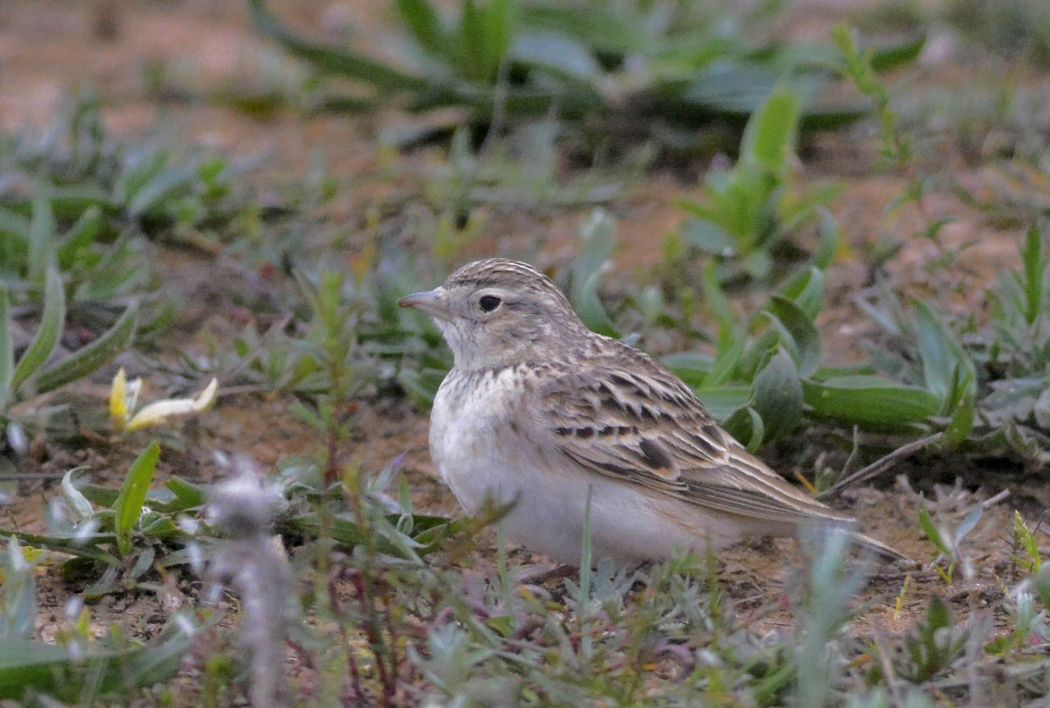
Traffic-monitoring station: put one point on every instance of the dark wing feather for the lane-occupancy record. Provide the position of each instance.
(623, 416)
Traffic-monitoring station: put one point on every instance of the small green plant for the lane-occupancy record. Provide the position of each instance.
(97, 268)
(506, 61)
(1013, 28)
(861, 67)
(989, 382)
(746, 212)
(948, 544)
(116, 537)
(1027, 544)
(934, 645)
(767, 374)
(80, 668)
(36, 371)
(102, 186)
(524, 171)
(830, 589)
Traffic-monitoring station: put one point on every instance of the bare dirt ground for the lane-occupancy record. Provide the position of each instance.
(48, 46)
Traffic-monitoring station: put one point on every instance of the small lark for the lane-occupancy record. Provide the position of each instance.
(541, 411)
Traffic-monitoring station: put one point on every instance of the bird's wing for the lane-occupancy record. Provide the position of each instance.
(637, 422)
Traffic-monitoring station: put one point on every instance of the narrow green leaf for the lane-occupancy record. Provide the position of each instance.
(351, 64)
(74, 498)
(1042, 585)
(869, 402)
(27, 665)
(498, 17)
(1032, 257)
(968, 524)
(41, 237)
(19, 595)
(892, 57)
(86, 360)
(7, 350)
(723, 401)
(716, 297)
(932, 532)
(777, 396)
(30, 667)
(691, 367)
(806, 289)
(47, 335)
(473, 44)
(128, 507)
(15, 226)
(770, 134)
(557, 54)
(419, 386)
(798, 333)
(187, 494)
(731, 343)
(829, 239)
(939, 351)
(590, 308)
(80, 547)
(747, 427)
(709, 237)
(161, 186)
(963, 404)
(79, 237)
(427, 28)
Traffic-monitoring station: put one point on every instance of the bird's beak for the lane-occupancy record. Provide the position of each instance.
(429, 301)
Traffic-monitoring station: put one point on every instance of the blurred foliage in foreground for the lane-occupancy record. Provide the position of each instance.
(633, 66)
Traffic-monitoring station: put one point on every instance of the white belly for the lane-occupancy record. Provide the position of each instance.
(482, 456)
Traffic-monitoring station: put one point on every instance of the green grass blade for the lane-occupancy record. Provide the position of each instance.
(931, 532)
(770, 134)
(27, 664)
(806, 290)
(163, 185)
(7, 350)
(89, 547)
(963, 398)
(85, 361)
(797, 332)
(1042, 585)
(333, 61)
(41, 237)
(778, 396)
(1032, 257)
(897, 55)
(80, 236)
(128, 507)
(498, 23)
(939, 351)
(15, 226)
(47, 336)
(472, 42)
(427, 28)
(716, 297)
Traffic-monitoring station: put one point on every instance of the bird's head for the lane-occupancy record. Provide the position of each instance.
(498, 312)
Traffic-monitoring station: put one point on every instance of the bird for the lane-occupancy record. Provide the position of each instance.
(568, 426)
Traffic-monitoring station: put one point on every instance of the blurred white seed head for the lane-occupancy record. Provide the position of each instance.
(17, 438)
(74, 606)
(241, 505)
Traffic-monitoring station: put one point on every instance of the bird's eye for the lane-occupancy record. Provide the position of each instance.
(488, 303)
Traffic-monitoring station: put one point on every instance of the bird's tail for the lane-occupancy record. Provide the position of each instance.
(879, 548)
